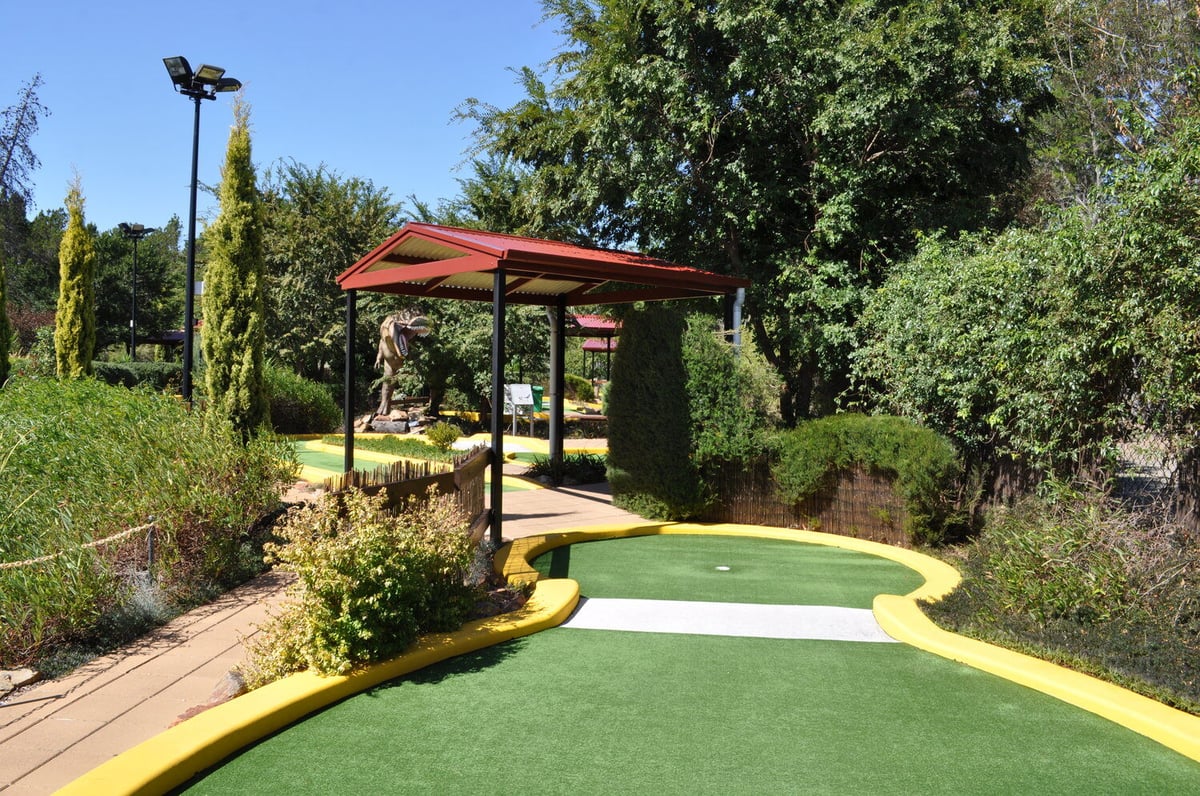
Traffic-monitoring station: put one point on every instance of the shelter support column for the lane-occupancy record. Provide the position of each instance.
(558, 366)
(499, 303)
(348, 380)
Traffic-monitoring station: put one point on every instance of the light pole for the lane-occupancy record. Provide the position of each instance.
(205, 83)
(134, 232)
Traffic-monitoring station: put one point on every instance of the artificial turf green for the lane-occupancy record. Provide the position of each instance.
(584, 711)
(760, 571)
(333, 462)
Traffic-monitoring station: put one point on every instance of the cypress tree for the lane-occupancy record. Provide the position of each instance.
(232, 305)
(650, 466)
(75, 317)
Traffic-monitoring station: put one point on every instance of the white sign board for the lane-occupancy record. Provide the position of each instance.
(518, 395)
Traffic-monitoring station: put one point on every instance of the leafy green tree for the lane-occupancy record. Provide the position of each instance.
(160, 284)
(31, 249)
(1120, 77)
(318, 224)
(75, 317)
(802, 145)
(234, 323)
(1039, 350)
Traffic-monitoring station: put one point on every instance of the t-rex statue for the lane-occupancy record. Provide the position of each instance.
(395, 333)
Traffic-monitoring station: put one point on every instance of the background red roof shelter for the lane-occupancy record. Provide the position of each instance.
(429, 260)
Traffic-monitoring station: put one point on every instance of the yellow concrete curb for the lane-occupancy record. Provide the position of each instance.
(904, 621)
(171, 758)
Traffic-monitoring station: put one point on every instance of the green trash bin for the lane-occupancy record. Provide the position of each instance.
(537, 397)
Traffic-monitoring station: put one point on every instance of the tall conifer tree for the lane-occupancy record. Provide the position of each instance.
(233, 331)
(75, 317)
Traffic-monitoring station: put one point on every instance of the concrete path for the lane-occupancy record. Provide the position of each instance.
(58, 730)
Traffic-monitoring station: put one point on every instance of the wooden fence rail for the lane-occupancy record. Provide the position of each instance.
(406, 479)
(860, 504)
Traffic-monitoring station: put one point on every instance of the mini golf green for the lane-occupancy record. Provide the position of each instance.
(333, 463)
(595, 711)
(727, 569)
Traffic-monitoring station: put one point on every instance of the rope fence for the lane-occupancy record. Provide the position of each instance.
(116, 537)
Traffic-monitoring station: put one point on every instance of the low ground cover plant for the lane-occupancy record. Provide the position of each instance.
(1073, 579)
(82, 461)
(575, 468)
(368, 583)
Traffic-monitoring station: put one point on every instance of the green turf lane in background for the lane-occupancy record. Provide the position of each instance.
(587, 711)
(759, 571)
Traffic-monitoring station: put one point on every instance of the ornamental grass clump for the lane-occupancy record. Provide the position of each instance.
(368, 583)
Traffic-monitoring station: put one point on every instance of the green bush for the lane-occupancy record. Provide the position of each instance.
(299, 406)
(650, 465)
(368, 583)
(580, 389)
(83, 461)
(443, 435)
(158, 376)
(924, 465)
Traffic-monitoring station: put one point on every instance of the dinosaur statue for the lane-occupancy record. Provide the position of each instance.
(395, 333)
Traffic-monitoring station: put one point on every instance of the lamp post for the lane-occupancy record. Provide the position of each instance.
(204, 83)
(134, 232)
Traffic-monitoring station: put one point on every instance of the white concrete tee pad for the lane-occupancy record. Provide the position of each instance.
(728, 619)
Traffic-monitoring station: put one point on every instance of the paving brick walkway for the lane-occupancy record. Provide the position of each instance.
(60, 729)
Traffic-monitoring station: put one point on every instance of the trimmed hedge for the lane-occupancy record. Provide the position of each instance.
(924, 465)
(299, 406)
(649, 434)
(161, 376)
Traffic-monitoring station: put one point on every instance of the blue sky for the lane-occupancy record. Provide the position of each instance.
(367, 88)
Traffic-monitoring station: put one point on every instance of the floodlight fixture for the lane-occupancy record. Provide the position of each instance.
(203, 84)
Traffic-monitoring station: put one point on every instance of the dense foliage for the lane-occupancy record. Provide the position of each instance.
(233, 313)
(1097, 588)
(368, 583)
(924, 466)
(75, 317)
(317, 224)
(650, 466)
(299, 406)
(1040, 349)
(801, 145)
(728, 402)
(83, 461)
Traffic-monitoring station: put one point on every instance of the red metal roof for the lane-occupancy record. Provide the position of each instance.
(451, 262)
(600, 344)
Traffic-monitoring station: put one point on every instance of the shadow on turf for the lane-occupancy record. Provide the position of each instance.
(469, 663)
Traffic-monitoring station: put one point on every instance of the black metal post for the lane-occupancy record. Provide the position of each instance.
(558, 366)
(348, 381)
(133, 307)
(189, 312)
(499, 302)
